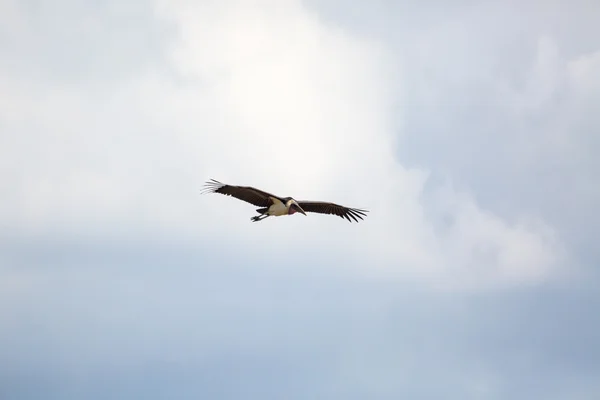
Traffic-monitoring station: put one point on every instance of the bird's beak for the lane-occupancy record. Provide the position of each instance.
(300, 209)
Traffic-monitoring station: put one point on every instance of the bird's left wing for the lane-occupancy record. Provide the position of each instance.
(246, 193)
(334, 209)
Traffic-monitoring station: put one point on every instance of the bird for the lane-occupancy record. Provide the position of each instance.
(272, 205)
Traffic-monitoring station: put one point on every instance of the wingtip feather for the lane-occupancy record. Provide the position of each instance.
(211, 186)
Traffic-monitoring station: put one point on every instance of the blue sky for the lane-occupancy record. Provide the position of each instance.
(466, 129)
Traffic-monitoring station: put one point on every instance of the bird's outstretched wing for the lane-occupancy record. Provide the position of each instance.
(245, 193)
(331, 208)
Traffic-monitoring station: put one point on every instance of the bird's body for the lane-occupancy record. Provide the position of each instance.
(276, 206)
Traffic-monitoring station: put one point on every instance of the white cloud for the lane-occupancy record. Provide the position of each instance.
(270, 96)
(584, 71)
(543, 79)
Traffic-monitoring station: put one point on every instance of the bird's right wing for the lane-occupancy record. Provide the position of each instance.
(246, 193)
(332, 208)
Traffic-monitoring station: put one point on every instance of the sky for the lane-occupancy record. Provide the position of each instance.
(467, 129)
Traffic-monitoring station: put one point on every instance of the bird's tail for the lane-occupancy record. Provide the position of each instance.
(262, 210)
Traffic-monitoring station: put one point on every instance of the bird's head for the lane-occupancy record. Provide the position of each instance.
(294, 207)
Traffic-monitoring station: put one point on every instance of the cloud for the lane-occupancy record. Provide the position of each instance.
(264, 96)
(497, 111)
(100, 319)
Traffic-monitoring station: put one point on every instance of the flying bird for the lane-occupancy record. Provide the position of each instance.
(272, 205)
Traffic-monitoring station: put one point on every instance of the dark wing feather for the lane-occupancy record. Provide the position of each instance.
(245, 193)
(335, 209)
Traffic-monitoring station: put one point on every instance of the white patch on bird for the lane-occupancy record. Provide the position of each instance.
(277, 208)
